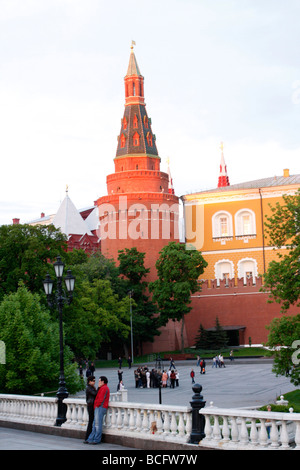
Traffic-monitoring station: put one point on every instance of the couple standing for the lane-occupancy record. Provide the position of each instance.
(97, 404)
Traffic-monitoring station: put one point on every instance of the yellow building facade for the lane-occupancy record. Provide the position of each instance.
(227, 225)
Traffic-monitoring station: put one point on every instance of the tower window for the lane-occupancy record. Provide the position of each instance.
(123, 141)
(124, 123)
(135, 122)
(136, 139)
(149, 139)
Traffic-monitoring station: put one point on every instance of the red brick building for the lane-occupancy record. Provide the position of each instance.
(140, 209)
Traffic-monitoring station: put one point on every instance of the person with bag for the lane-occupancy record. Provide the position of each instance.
(100, 410)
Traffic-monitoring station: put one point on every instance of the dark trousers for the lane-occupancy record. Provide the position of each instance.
(90, 409)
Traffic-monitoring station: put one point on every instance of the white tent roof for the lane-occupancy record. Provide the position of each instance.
(69, 220)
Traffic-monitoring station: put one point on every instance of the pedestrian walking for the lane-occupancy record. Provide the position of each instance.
(129, 360)
(120, 362)
(192, 374)
(90, 394)
(100, 410)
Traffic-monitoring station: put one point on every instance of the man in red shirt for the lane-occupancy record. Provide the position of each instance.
(100, 410)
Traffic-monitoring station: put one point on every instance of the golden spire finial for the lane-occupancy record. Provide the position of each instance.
(132, 44)
(168, 161)
(221, 146)
(67, 189)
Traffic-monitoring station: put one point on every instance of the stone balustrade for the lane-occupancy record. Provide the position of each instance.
(250, 429)
(225, 428)
(160, 422)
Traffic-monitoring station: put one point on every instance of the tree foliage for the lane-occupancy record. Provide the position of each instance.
(32, 347)
(133, 272)
(178, 271)
(284, 337)
(25, 252)
(283, 275)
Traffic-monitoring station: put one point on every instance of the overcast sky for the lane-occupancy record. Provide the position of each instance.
(215, 70)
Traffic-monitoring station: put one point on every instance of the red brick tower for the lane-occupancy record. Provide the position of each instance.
(139, 211)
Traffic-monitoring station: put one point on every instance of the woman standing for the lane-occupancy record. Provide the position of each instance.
(90, 393)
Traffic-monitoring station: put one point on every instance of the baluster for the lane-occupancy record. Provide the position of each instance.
(297, 435)
(138, 421)
(234, 430)
(244, 439)
(181, 430)
(253, 432)
(113, 417)
(188, 425)
(263, 436)
(173, 423)
(166, 423)
(119, 419)
(159, 423)
(274, 435)
(145, 424)
(284, 436)
(225, 430)
(216, 429)
(131, 419)
(208, 428)
(126, 419)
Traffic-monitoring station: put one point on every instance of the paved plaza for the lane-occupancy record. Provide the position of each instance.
(242, 383)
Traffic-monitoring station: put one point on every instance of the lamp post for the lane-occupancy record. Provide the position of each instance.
(131, 330)
(59, 299)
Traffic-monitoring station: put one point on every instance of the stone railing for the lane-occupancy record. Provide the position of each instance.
(250, 429)
(157, 422)
(225, 428)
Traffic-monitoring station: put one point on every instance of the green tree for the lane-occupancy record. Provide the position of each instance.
(178, 271)
(32, 347)
(282, 278)
(25, 252)
(96, 316)
(284, 338)
(144, 319)
(218, 336)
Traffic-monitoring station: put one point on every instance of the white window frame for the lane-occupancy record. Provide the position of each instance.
(216, 224)
(243, 269)
(239, 228)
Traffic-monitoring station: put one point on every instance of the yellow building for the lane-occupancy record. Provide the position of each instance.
(227, 225)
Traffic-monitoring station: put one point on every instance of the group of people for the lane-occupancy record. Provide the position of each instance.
(154, 378)
(218, 361)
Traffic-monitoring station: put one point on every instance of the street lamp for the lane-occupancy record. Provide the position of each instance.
(59, 299)
(131, 330)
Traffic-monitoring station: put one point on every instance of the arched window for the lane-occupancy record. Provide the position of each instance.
(146, 124)
(124, 123)
(222, 225)
(245, 223)
(247, 269)
(136, 139)
(224, 269)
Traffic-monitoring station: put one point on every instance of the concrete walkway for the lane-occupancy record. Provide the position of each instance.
(15, 439)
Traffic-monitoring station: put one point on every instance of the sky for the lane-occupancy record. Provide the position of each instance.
(215, 71)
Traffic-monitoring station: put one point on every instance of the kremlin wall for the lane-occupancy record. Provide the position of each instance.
(226, 224)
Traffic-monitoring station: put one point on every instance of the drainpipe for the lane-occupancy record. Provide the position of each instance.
(262, 228)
